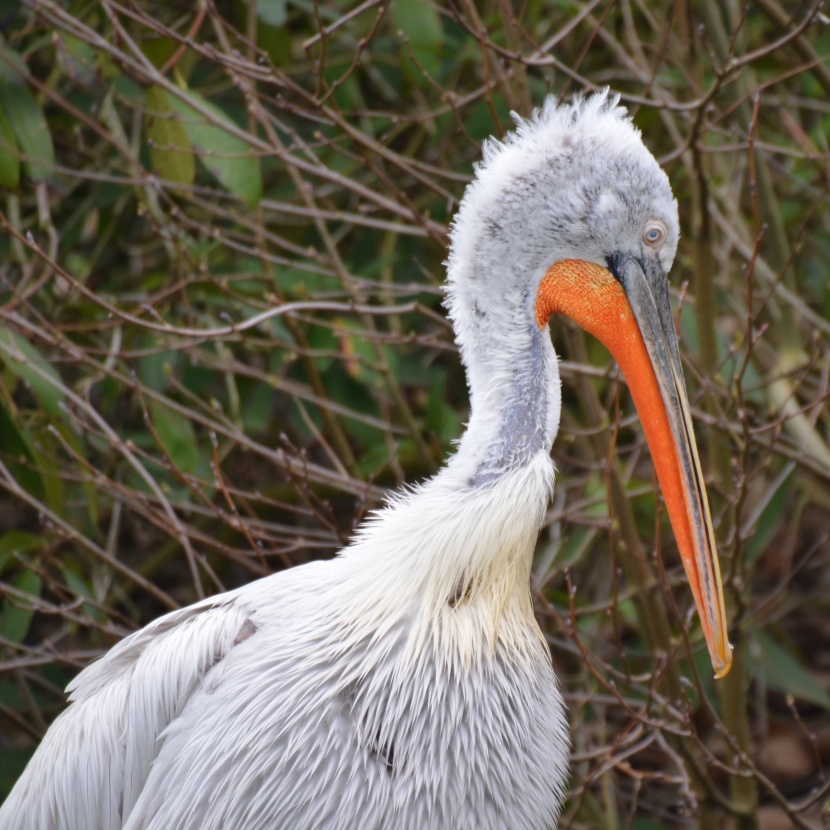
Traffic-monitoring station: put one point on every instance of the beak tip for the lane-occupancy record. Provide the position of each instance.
(722, 663)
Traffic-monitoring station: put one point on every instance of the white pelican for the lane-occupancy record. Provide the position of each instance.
(405, 685)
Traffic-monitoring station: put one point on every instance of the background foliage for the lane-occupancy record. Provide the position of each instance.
(221, 342)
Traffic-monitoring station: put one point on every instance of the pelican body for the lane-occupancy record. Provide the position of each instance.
(405, 685)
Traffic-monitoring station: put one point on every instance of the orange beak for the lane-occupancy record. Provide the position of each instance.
(629, 312)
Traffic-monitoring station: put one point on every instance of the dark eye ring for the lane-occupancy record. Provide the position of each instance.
(655, 233)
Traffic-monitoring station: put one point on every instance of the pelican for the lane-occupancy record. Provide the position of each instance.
(405, 684)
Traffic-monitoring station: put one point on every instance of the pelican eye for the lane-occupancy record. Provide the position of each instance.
(655, 233)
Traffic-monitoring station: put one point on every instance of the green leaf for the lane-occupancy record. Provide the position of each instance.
(575, 543)
(155, 367)
(77, 57)
(420, 22)
(258, 410)
(359, 355)
(18, 455)
(159, 50)
(272, 12)
(81, 588)
(21, 356)
(786, 674)
(9, 155)
(12, 66)
(16, 542)
(177, 437)
(46, 448)
(228, 158)
(774, 515)
(276, 41)
(441, 417)
(53, 477)
(30, 127)
(17, 614)
(170, 148)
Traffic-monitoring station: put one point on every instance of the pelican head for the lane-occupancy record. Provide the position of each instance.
(571, 214)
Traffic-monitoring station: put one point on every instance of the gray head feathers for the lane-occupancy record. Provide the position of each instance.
(573, 181)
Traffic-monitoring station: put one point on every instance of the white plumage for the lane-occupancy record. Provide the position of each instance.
(404, 685)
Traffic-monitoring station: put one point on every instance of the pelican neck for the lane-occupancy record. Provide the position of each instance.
(515, 407)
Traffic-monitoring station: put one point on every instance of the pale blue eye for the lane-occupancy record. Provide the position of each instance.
(654, 234)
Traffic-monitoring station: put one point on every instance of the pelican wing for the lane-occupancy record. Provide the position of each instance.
(94, 762)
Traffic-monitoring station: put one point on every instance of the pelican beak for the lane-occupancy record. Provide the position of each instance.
(626, 306)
